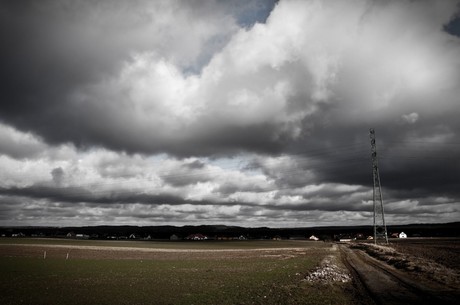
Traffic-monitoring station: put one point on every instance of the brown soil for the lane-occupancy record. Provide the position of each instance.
(444, 251)
(105, 252)
(432, 261)
(408, 273)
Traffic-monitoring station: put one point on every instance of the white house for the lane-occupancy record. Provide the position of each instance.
(402, 235)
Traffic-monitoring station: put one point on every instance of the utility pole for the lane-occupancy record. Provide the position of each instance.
(380, 229)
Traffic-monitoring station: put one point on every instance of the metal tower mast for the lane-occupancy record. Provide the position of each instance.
(380, 229)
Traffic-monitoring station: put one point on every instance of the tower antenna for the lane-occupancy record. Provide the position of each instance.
(380, 229)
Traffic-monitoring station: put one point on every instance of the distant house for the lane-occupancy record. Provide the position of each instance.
(174, 237)
(132, 236)
(402, 235)
(70, 235)
(313, 237)
(394, 235)
(197, 236)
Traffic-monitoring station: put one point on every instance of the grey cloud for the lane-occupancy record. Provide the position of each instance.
(19, 145)
(410, 118)
(197, 164)
(54, 49)
(128, 78)
(75, 72)
(58, 175)
(188, 173)
(180, 177)
(228, 188)
(76, 195)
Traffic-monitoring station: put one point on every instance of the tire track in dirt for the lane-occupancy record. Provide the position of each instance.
(387, 285)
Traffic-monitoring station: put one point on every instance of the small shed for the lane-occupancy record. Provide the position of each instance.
(402, 235)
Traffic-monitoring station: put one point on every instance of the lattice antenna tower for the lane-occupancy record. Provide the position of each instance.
(380, 229)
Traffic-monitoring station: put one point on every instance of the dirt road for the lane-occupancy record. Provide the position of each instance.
(381, 283)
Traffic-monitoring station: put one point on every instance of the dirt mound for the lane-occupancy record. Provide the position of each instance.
(328, 272)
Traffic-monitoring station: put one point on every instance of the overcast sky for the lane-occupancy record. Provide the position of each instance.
(249, 113)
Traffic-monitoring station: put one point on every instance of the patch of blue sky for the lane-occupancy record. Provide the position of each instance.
(253, 12)
(212, 46)
(158, 158)
(246, 14)
(240, 163)
(453, 27)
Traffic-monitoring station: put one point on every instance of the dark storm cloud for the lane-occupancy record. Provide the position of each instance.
(414, 161)
(51, 50)
(157, 95)
(59, 54)
(75, 72)
(47, 54)
(76, 195)
(408, 162)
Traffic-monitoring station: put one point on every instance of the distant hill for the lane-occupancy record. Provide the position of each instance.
(229, 232)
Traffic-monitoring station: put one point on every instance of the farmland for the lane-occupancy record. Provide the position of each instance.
(407, 271)
(47, 271)
(69, 271)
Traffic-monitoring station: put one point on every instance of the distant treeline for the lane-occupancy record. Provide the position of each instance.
(213, 232)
